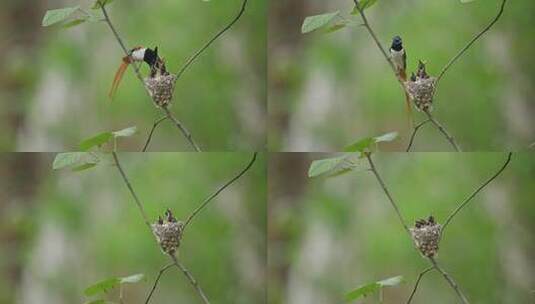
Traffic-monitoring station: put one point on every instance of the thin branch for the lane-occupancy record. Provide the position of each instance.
(121, 43)
(134, 195)
(154, 126)
(471, 196)
(389, 60)
(448, 65)
(377, 42)
(164, 269)
(450, 280)
(205, 46)
(179, 125)
(191, 279)
(443, 131)
(213, 195)
(385, 190)
(415, 130)
(418, 282)
(145, 218)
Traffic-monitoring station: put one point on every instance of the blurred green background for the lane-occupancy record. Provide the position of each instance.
(62, 231)
(54, 82)
(328, 90)
(328, 236)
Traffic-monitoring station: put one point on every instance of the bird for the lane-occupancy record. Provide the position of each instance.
(398, 55)
(137, 54)
(170, 217)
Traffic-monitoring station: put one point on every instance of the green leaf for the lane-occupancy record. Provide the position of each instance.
(133, 278)
(360, 145)
(100, 3)
(57, 15)
(386, 137)
(313, 23)
(371, 288)
(73, 23)
(362, 291)
(393, 281)
(367, 144)
(125, 132)
(102, 286)
(364, 4)
(334, 166)
(467, 1)
(77, 161)
(108, 284)
(336, 27)
(97, 140)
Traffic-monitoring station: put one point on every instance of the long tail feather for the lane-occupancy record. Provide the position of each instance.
(118, 76)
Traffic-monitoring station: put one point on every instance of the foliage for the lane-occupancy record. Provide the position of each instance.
(370, 288)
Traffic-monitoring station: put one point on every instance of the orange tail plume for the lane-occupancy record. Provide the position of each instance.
(408, 108)
(118, 76)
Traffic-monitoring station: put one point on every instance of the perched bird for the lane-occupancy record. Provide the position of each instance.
(137, 54)
(399, 59)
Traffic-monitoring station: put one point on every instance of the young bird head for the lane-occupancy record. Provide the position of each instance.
(170, 217)
(397, 44)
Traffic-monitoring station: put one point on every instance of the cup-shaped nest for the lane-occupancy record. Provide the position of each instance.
(421, 91)
(168, 235)
(161, 88)
(426, 236)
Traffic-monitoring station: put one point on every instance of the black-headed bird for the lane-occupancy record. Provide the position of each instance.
(137, 54)
(399, 59)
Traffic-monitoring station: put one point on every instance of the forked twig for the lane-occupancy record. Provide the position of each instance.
(469, 44)
(207, 44)
(366, 24)
(414, 131)
(179, 125)
(443, 130)
(164, 269)
(450, 280)
(418, 282)
(213, 195)
(471, 196)
(393, 203)
(191, 279)
(184, 131)
(145, 218)
(156, 123)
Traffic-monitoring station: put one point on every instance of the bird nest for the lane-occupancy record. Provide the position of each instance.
(421, 92)
(168, 233)
(426, 236)
(161, 88)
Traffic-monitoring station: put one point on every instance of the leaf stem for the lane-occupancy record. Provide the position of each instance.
(418, 282)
